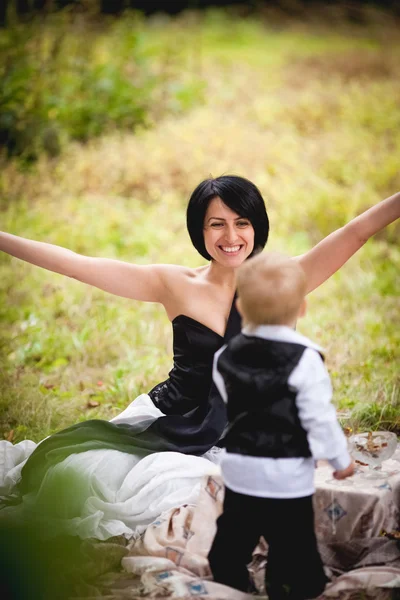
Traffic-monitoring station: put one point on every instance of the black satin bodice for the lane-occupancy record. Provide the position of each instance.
(189, 381)
(195, 414)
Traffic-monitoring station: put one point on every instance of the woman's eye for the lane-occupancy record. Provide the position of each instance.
(216, 225)
(243, 223)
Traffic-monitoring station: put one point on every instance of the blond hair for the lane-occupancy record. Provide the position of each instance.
(271, 289)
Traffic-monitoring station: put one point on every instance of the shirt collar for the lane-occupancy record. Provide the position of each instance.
(280, 333)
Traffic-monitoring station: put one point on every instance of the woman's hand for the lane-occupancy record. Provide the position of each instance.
(332, 252)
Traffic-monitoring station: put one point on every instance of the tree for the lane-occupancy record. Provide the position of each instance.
(3, 13)
(112, 7)
(22, 7)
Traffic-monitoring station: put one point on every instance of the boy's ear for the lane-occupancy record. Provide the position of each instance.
(239, 306)
(303, 308)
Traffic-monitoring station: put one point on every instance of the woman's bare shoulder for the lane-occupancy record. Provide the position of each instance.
(182, 286)
(178, 279)
(181, 272)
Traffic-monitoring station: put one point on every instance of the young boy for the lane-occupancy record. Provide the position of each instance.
(281, 420)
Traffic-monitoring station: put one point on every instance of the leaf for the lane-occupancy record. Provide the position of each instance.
(92, 404)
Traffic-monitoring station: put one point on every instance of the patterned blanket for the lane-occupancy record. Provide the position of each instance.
(169, 560)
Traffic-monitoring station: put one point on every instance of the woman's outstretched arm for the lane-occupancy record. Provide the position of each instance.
(117, 277)
(332, 252)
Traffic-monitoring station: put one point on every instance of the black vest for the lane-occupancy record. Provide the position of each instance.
(262, 411)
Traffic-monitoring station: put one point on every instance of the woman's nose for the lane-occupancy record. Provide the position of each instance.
(230, 234)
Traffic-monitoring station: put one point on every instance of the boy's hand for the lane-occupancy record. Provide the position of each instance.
(343, 473)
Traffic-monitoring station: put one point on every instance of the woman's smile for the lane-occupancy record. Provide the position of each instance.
(233, 250)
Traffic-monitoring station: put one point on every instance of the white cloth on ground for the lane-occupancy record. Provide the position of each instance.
(115, 493)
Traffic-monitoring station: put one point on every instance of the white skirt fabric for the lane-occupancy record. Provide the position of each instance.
(113, 493)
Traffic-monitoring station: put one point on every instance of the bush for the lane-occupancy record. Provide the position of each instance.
(65, 79)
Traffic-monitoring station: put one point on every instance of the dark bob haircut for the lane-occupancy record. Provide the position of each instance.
(240, 195)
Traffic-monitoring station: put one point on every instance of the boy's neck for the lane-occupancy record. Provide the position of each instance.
(290, 324)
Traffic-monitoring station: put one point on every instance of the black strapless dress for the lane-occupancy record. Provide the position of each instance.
(194, 413)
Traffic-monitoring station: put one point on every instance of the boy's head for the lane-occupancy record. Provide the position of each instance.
(271, 289)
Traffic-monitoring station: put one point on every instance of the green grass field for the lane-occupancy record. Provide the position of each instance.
(308, 111)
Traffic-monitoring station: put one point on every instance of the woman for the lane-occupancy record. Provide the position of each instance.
(227, 222)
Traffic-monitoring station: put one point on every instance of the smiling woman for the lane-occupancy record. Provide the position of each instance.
(226, 235)
(227, 223)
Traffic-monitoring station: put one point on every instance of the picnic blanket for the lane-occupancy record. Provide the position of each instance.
(169, 560)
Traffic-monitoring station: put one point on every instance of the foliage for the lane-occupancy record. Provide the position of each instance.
(70, 79)
(320, 149)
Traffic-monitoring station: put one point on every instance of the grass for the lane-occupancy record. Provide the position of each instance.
(306, 111)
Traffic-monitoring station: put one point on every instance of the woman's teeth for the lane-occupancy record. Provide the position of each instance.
(230, 248)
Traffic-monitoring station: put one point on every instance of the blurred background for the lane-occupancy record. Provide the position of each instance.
(111, 112)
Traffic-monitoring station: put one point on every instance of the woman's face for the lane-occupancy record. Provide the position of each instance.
(228, 237)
